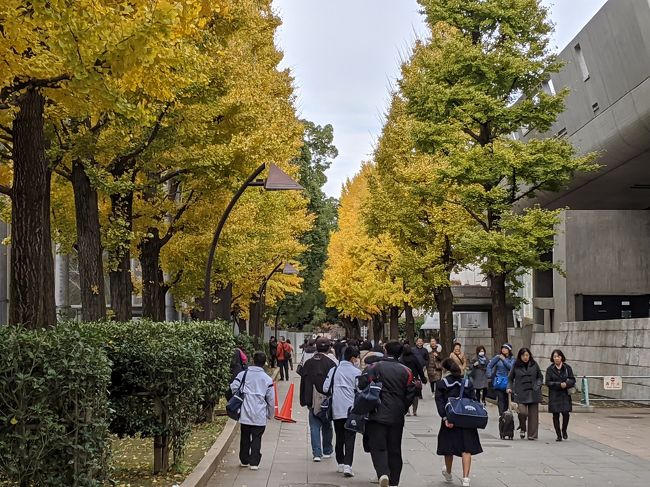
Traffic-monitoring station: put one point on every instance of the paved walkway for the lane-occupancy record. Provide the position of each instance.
(286, 456)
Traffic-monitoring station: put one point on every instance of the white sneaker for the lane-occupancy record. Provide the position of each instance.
(383, 481)
(243, 464)
(465, 481)
(374, 480)
(340, 468)
(347, 471)
(447, 475)
(433, 396)
(317, 459)
(325, 457)
(254, 467)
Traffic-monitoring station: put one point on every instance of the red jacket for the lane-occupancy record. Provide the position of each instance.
(282, 348)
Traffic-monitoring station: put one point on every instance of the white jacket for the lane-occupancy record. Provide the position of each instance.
(259, 396)
(345, 385)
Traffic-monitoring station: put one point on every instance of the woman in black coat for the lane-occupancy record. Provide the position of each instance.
(526, 380)
(559, 379)
(453, 441)
(411, 360)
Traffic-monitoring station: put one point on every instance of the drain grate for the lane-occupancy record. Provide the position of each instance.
(625, 417)
(424, 435)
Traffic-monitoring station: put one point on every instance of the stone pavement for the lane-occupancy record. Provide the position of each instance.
(286, 456)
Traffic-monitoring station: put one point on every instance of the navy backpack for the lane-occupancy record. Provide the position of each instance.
(464, 412)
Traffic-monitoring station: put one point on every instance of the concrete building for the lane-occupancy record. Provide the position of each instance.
(603, 239)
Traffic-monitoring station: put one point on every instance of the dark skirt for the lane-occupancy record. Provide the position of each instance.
(456, 441)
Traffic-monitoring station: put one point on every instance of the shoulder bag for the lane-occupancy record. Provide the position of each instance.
(464, 412)
(325, 413)
(233, 408)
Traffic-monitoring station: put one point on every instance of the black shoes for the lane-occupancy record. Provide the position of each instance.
(559, 438)
(564, 435)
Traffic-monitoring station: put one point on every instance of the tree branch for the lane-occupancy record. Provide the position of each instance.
(171, 175)
(154, 132)
(63, 173)
(530, 191)
(18, 85)
(172, 224)
(7, 130)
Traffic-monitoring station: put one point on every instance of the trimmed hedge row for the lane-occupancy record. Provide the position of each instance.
(62, 391)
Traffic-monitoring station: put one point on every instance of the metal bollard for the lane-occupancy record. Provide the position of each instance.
(585, 392)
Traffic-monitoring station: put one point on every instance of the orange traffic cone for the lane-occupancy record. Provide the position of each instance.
(275, 389)
(287, 408)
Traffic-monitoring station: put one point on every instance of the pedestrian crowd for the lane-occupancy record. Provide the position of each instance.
(357, 387)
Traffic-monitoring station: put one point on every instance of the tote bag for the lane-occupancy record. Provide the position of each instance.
(233, 408)
(464, 412)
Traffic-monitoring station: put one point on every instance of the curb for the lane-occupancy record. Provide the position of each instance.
(208, 465)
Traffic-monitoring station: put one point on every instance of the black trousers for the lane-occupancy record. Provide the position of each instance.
(284, 369)
(433, 383)
(385, 445)
(250, 444)
(556, 423)
(502, 401)
(272, 361)
(478, 394)
(344, 446)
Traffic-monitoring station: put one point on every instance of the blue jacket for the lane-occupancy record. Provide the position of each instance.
(498, 367)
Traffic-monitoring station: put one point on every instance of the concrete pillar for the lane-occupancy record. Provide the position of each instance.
(4, 274)
(170, 307)
(62, 284)
(548, 325)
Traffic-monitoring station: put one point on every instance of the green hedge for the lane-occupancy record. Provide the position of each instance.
(53, 408)
(58, 386)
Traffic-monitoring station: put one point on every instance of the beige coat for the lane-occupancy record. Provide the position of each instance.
(461, 360)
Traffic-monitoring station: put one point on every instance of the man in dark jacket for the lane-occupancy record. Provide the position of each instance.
(273, 352)
(421, 353)
(313, 374)
(384, 428)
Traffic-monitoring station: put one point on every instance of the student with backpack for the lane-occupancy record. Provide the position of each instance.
(341, 385)
(454, 441)
(255, 387)
(385, 425)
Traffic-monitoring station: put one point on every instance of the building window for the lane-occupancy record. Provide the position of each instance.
(581, 62)
(548, 87)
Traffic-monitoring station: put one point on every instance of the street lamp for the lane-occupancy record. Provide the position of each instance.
(277, 180)
(257, 307)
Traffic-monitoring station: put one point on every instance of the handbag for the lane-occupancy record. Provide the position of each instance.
(233, 408)
(464, 412)
(325, 413)
(369, 399)
(500, 383)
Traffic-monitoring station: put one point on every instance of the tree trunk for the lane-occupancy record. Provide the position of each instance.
(445, 303)
(377, 328)
(154, 288)
(394, 323)
(253, 318)
(499, 311)
(120, 276)
(160, 454)
(89, 246)
(410, 323)
(355, 330)
(32, 263)
(222, 306)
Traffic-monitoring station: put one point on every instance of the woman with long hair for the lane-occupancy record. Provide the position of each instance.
(526, 381)
(409, 359)
(560, 380)
(478, 373)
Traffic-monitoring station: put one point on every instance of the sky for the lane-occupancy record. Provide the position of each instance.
(345, 55)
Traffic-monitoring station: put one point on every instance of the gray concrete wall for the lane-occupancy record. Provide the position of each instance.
(602, 252)
(618, 347)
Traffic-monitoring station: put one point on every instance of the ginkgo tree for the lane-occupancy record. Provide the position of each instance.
(64, 62)
(359, 278)
(407, 201)
(470, 86)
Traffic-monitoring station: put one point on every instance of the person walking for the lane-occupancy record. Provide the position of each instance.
(560, 380)
(238, 362)
(289, 355)
(283, 354)
(385, 425)
(312, 377)
(458, 356)
(273, 352)
(421, 353)
(411, 360)
(454, 441)
(341, 382)
(526, 380)
(434, 366)
(498, 370)
(373, 356)
(257, 408)
(478, 373)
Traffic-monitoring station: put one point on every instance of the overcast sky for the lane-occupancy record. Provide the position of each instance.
(345, 55)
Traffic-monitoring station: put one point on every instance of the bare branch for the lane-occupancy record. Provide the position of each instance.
(172, 175)
(18, 85)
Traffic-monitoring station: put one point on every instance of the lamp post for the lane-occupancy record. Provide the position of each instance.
(257, 307)
(277, 180)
